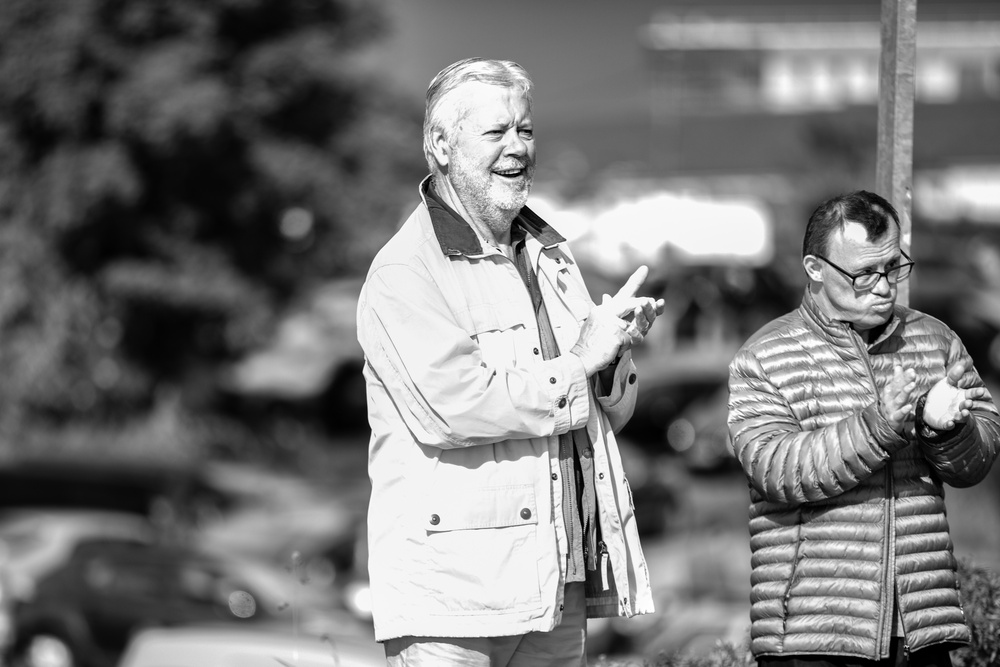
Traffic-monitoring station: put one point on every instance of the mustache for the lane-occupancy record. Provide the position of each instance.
(516, 164)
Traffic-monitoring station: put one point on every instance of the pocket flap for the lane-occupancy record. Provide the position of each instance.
(490, 507)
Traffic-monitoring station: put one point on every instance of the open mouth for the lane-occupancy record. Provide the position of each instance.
(516, 172)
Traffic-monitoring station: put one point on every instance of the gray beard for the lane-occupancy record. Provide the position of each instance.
(496, 213)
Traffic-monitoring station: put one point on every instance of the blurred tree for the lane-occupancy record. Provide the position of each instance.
(172, 172)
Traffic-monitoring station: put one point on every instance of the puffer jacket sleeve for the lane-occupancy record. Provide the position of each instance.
(963, 456)
(789, 465)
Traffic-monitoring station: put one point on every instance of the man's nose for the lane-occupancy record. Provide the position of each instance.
(516, 145)
(882, 286)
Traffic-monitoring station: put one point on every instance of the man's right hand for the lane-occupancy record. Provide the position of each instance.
(601, 337)
(897, 398)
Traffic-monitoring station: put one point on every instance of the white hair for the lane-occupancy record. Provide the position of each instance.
(439, 116)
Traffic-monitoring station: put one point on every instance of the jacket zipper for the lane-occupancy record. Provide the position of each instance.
(604, 565)
(888, 585)
(886, 621)
(565, 470)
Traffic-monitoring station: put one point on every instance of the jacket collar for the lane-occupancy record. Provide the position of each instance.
(457, 237)
(840, 332)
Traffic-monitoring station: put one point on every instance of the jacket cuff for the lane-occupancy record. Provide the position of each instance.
(568, 388)
(885, 437)
(623, 383)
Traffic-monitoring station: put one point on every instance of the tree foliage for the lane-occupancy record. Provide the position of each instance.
(171, 173)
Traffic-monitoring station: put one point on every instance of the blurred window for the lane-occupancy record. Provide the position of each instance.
(115, 577)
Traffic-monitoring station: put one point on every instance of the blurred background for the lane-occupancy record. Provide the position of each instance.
(192, 190)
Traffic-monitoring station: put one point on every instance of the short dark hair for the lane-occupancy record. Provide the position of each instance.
(861, 207)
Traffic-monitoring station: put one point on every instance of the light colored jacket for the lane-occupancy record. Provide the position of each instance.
(465, 522)
(847, 517)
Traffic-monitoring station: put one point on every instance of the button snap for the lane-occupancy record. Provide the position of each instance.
(561, 607)
(558, 260)
(552, 380)
(525, 513)
(562, 402)
(435, 519)
(554, 476)
(600, 476)
(535, 350)
(631, 378)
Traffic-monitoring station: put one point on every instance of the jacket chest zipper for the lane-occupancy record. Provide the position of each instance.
(888, 596)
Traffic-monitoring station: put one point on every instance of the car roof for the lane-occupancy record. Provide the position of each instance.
(240, 647)
(73, 524)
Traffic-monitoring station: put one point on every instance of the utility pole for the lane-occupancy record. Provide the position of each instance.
(894, 158)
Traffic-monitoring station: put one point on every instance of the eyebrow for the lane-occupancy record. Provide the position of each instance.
(872, 267)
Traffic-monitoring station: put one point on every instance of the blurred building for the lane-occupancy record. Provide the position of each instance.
(722, 65)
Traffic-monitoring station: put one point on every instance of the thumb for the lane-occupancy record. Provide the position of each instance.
(635, 281)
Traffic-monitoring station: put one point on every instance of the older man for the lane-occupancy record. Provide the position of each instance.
(848, 415)
(500, 517)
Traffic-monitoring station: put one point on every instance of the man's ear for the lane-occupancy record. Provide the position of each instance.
(440, 148)
(814, 267)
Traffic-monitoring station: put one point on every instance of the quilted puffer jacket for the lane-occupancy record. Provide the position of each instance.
(847, 517)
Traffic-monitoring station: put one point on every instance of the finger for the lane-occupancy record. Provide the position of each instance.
(625, 307)
(955, 372)
(660, 306)
(635, 281)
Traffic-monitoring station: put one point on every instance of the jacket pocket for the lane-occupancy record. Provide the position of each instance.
(482, 554)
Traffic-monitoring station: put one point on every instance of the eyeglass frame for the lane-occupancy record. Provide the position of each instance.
(909, 264)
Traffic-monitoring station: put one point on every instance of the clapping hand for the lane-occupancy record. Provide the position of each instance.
(618, 323)
(897, 397)
(947, 404)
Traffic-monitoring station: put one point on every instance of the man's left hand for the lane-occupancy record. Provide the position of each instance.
(639, 311)
(947, 404)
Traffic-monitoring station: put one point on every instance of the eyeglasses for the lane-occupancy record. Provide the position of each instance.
(869, 279)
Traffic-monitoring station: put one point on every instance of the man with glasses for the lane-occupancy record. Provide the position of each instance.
(848, 415)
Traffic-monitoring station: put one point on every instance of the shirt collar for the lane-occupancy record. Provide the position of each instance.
(457, 237)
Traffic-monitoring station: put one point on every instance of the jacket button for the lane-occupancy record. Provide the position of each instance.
(600, 475)
(562, 402)
(561, 607)
(525, 514)
(631, 378)
(558, 260)
(552, 380)
(535, 350)
(435, 519)
(554, 477)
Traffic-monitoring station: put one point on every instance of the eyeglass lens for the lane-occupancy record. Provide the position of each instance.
(892, 275)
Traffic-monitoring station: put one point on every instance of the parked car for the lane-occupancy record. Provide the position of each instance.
(171, 495)
(83, 596)
(35, 542)
(242, 647)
